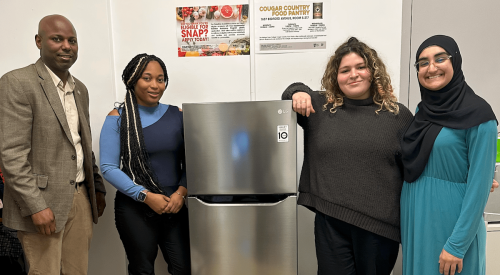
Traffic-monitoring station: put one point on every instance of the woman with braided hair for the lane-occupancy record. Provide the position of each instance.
(352, 171)
(146, 138)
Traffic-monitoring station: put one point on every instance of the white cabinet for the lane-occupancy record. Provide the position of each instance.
(492, 248)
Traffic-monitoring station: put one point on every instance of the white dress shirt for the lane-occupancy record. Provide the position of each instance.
(68, 102)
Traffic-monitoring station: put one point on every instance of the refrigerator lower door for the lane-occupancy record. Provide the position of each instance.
(256, 239)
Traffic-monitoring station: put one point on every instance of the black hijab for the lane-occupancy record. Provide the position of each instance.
(455, 106)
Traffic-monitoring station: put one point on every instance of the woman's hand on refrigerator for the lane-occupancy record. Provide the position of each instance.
(302, 103)
(157, 202)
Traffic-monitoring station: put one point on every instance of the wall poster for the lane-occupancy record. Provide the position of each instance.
(294, 26)
(221, 30)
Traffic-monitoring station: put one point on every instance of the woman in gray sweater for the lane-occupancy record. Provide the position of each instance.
(352, 171)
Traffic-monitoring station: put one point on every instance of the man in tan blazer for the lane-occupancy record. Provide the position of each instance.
(53, 190)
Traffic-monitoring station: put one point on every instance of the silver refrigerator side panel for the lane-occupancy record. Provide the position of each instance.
(243, 239)
(237, 147)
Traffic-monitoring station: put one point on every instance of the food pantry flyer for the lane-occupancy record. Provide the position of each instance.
(213, 30)
(292, 26)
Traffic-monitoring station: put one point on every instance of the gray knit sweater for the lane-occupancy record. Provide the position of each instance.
(352, 168)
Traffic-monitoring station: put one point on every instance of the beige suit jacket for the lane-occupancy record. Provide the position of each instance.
(37, 155)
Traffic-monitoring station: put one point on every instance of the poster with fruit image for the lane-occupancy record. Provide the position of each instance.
(220, 30)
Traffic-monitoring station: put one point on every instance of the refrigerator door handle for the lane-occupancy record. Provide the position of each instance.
(244, 204)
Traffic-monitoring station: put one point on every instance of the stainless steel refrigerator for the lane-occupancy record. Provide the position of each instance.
(242, 186)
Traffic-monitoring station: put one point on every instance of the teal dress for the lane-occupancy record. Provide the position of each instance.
(444, 207)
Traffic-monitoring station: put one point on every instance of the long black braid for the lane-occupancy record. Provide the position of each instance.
(134, 157)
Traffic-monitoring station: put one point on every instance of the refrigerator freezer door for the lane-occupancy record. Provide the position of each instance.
(229, 239)
(241, 147)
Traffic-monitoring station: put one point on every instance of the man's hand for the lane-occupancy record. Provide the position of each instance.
(101, 203)
(44, 221)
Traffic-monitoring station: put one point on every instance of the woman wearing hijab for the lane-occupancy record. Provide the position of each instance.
(449, 158)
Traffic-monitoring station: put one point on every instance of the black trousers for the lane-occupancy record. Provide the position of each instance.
(11, 266)
(142, 231)
(345, 249)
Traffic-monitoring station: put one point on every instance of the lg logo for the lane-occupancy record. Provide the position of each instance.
(280, 111)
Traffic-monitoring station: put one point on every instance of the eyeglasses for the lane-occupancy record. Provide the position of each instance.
(422, 64)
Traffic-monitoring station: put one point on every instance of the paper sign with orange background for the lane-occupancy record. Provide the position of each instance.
(219, 30)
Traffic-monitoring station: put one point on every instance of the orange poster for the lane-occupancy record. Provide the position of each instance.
(221, 30)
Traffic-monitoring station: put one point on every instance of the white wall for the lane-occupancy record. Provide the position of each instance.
(474, 27)
(111, 32)
(377, 23)
(151, 28)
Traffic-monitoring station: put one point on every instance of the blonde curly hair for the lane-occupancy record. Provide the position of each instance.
(380, 88)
